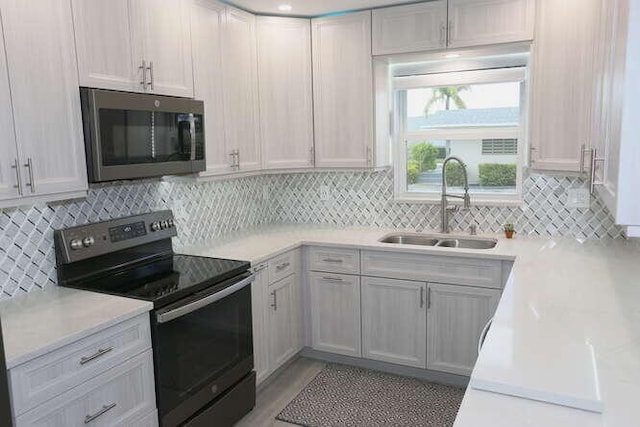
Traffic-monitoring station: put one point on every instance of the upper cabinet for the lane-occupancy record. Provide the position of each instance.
(285, 89)
(565, 84)
(134, 45)
(410, 28)
(207, 35)
(441, 24)
(343, 90)
(484, 22)
(614, 156)
(46, 159)
(240, 79)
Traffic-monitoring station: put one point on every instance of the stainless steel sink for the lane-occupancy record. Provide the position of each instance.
(410, 239)
(440, 241)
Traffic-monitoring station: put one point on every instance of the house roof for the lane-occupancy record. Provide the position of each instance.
(471, 117)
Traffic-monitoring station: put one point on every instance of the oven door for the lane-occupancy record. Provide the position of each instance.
(202, 347)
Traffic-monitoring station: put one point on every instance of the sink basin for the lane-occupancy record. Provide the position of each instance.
(468, 243)
(440, 241)
(409, 239)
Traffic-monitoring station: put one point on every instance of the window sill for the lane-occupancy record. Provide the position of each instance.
(514, 201)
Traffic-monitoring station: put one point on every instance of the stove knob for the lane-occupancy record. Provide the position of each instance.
(76, 244)
(155, 226)
(88, 241)
(170, 223)
(164, 224)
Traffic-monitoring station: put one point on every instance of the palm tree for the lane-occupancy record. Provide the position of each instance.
(446, 94)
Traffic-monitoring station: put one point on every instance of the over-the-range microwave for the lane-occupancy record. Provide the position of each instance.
(133, 135)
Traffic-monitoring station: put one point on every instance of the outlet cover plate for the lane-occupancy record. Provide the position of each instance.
(578, 198)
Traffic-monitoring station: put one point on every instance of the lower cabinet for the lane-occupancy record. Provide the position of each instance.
(335, 313)
(394, 321)
(277, 313)
(283, 322)
(455, 319)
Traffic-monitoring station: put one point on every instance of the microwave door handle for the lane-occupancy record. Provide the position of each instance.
(196, 305)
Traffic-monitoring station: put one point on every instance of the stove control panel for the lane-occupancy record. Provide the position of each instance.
(86, 241)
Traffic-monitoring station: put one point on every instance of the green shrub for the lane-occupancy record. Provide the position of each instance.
(455, 175)
(424, 154)
(497, 175)
(413, 169)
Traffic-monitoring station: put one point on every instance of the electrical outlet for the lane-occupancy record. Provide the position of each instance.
(578, 198)
(324, 192)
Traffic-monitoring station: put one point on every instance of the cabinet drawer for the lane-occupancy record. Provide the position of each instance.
(47, 376)
(122, 396)
(283, 265)
(334, 260)
(429, 268)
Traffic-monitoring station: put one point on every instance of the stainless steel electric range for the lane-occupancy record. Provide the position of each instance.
(201, 321)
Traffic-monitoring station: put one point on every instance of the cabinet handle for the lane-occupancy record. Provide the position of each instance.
(101, 352)
(421, 297)
(32, 184)
(333, 260)
(151, 75)
(443, 32)
(275, 301)
(283, 266)
(105, 409)
(332, 279)
(143, 67)
(233, 159)
(259, 268)
(238, 159)
(18, 177)
(428, 298)
(583, 150)
(594, 161)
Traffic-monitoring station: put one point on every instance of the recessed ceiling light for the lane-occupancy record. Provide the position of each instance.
(285, 7)
(452, 55)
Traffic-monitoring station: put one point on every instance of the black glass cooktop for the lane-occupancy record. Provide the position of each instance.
(165, 280)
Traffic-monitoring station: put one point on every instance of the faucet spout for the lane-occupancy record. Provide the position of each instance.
(466, 204)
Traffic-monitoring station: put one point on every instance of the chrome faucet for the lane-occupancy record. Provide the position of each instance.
(444, 205)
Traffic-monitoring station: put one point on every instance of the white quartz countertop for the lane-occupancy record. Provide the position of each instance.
(563, 296)
(44, 320)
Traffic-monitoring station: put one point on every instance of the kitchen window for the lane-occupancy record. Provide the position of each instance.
(474, 115)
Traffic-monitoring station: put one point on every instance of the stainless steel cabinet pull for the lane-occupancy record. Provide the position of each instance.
(18, 177)
(32, 184)
(259, 268)
(105, 409)
(429, 298)
(151, 75)
(336, 260)
(101, 352)
(332, 279)
(283, 266)
(594, 161)
(421, 297)
(143, 67)
(275, 301)
(238, 159)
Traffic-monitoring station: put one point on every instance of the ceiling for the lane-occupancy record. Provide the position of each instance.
(310, 7)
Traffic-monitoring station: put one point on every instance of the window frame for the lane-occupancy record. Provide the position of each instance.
(457, 78)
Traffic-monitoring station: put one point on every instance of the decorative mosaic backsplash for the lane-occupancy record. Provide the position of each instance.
(206, 210)
(366, 199)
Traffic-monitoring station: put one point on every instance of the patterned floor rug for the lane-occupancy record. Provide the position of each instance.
(348, 396)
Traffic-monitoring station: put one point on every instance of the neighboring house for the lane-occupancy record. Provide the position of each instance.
(473, 152)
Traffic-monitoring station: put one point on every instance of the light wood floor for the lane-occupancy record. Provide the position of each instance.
(279, 391)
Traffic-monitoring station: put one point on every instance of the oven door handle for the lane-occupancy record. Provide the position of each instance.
(196, 305)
